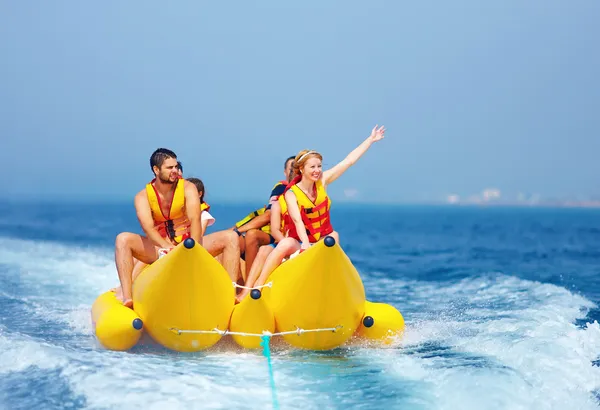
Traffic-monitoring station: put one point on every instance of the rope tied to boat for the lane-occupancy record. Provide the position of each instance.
(216, 330)
(265, 343)
(266, 285)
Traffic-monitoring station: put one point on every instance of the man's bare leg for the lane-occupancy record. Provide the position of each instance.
(283, 249)
(137, 269)
(127, 247)
(257, 266)
(242, 242)
(242, 273)
(255, 238)
(241, 277)
(225, 242)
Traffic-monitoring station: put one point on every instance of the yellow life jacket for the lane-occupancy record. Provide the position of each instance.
(315, 215)
(284, 214)
(251, 216)
(204, 207)
(260, 211)
(175, 225)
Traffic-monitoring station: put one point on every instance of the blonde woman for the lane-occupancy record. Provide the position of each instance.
(308, 205)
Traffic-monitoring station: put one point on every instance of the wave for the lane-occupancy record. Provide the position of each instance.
(486, 341)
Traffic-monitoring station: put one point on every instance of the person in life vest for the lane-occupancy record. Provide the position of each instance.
(277, 218)
(308, 205)
(206, 219)
(254, 230)
(168, 210)
(180, 169)
(223, 244)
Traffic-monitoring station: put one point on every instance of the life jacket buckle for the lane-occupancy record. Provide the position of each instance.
(170, 228)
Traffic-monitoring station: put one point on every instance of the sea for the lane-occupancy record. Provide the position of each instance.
(500, 304)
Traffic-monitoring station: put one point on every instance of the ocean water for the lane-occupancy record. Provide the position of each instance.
(501, 308)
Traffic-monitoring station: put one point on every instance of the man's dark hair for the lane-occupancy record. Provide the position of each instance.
(159, 156)
(293, 157)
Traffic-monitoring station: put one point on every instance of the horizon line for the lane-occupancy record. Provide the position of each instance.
(588, 204)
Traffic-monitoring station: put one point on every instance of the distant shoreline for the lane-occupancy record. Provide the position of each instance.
(336, 202)
(549, 204)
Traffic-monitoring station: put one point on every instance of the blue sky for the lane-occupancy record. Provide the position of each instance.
(473, 95)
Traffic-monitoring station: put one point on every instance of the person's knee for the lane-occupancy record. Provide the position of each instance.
(256, 237)
(251, 234)
(123, 240)
(232, 239)
(289, 243)
(264, 251)
(286, 248)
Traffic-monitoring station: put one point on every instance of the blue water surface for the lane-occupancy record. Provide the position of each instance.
(500, 306)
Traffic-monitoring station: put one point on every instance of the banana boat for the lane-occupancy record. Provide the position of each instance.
(116, 326)
(185, 301)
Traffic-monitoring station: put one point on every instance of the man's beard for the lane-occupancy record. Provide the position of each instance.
(166, 181)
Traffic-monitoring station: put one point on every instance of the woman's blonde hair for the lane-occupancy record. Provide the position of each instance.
(301, 159)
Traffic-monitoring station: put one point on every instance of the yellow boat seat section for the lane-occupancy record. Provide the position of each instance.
(318, 289)
(116, 327)
(186, 290)
(252, 316)
(381, 322)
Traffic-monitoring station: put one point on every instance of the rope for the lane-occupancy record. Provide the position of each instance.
(267, 352)
(298, 331)
(266, 337)
(267, 285)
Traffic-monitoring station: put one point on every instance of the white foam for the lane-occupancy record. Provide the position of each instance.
(490, 342)
(214, 381)
(64, 273)
(526, 354)
(60, 284)
(19, 353)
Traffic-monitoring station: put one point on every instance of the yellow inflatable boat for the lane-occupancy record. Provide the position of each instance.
(185, 301)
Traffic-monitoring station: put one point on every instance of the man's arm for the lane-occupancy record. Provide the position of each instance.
(256, 223)
(192, 210)
(144, 215)
(276, 222)
(265, 218)
(277, 191)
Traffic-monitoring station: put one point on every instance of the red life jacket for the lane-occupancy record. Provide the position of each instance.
(315, 216)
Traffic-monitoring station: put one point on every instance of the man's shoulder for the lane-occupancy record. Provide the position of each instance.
(189, 188)
(278, 188)
(141, 194)
(140, 198)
